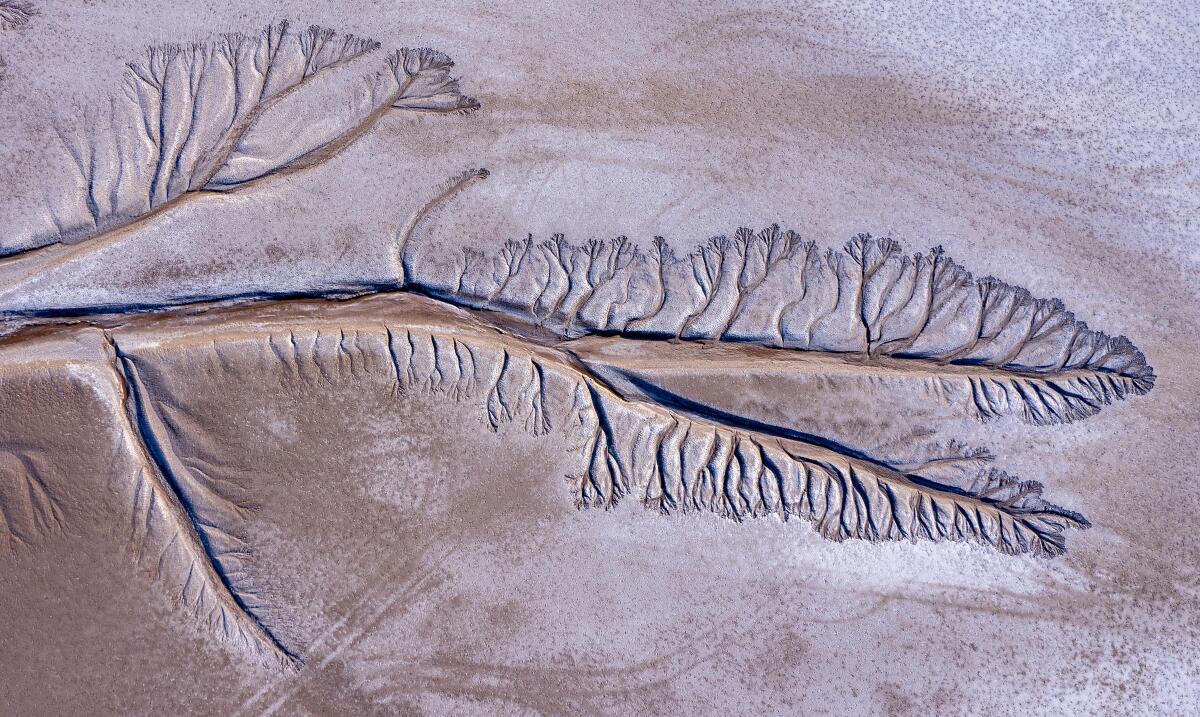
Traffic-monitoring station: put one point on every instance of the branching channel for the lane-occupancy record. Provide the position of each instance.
(194, 119)
(767, 301)
(548, 335)
(168, 537)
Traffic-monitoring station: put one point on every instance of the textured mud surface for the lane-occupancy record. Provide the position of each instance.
(306, 409)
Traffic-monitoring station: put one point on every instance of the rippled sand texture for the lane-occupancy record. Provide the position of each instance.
(341, 377)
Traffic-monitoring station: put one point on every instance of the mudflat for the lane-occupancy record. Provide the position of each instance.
(572, 360)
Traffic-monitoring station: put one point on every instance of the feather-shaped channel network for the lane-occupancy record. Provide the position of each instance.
(549, 335)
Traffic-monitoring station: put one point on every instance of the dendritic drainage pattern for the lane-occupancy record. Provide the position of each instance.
(556, 337)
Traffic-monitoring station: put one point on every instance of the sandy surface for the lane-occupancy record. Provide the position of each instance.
(419, 562)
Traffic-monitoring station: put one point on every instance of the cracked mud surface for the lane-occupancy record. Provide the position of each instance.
(306, 412)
